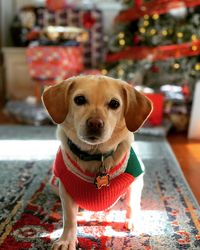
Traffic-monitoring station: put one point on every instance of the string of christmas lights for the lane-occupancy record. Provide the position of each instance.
(155, 6)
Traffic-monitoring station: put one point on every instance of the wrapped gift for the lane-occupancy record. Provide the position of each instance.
(55, 5)
(156, 117)
(27, 112)
(54, 62)
(58, 4)
(88, 19)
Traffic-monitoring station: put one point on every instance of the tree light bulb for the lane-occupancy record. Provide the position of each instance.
(121, 35)
(146, 17)
(197, 66)
(164, 32)
(122, 42)
(176, 65)
(104, 71)
(146, 23)
(142, 30)
(155, 16)
(152, 32)
(194, 37)
(194, 48)
(120, 72)
(179, 34)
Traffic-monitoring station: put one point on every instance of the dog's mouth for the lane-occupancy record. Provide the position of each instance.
(91, 139)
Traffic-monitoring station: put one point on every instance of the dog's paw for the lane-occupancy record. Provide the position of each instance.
(64, 245)
(133, 226)
(133, 220)
(68, 240)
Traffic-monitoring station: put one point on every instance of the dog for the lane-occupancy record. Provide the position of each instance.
(96, 118)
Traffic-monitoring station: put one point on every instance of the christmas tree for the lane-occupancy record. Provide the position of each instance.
(157, 42)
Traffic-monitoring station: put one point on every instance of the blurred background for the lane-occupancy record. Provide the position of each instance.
(154, 45)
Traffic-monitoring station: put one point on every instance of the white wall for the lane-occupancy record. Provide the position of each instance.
(194, 126)
(7, 10)
(21, 3)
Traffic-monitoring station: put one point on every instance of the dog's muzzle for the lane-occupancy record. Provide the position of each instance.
(94, 128)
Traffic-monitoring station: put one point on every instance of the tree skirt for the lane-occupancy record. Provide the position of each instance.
(31, 214)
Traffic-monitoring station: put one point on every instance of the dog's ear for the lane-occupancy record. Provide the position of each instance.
(137, 108)
(55, 100)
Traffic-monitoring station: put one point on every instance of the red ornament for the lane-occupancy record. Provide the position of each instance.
(55, 5)
(186, 90)
(138, 3)
(155, 69)
(136, 40)
(88, 20)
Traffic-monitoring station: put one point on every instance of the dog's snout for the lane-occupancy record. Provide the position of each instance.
(95, 123)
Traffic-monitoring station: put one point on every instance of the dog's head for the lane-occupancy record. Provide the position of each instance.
(96, 107)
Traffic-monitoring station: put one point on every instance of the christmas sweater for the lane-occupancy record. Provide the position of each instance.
(80, 185)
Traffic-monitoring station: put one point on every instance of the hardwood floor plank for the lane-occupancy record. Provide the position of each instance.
(188, 155)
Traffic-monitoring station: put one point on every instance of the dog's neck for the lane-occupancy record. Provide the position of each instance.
(84, 155)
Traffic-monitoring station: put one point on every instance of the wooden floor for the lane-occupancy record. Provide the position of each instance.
(187, 152)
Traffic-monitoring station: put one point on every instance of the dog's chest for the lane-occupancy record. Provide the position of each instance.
(88, 171)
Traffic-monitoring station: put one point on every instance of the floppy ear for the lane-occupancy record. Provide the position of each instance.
(138, 108)
(55, 100)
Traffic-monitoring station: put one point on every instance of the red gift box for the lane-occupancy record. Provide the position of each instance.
(54, 62)
(56, 5)
(156, 116)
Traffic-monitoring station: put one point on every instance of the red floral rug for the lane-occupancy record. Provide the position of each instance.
(31, 214)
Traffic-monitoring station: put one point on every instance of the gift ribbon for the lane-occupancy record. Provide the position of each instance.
(157, 53)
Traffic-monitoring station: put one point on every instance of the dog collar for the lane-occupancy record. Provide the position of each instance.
(85, 156)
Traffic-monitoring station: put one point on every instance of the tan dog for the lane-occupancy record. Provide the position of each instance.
(96, 117)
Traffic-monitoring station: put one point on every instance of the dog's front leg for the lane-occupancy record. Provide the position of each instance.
(133, 202)
(68, 239)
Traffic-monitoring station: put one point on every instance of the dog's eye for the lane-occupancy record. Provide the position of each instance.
(114, 104)
(80, 100)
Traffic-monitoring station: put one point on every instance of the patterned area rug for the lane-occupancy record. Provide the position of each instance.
(30, 216)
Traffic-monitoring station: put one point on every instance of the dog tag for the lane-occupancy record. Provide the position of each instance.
(102, 177)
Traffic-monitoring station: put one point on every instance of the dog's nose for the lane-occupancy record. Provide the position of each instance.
(95, 123)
